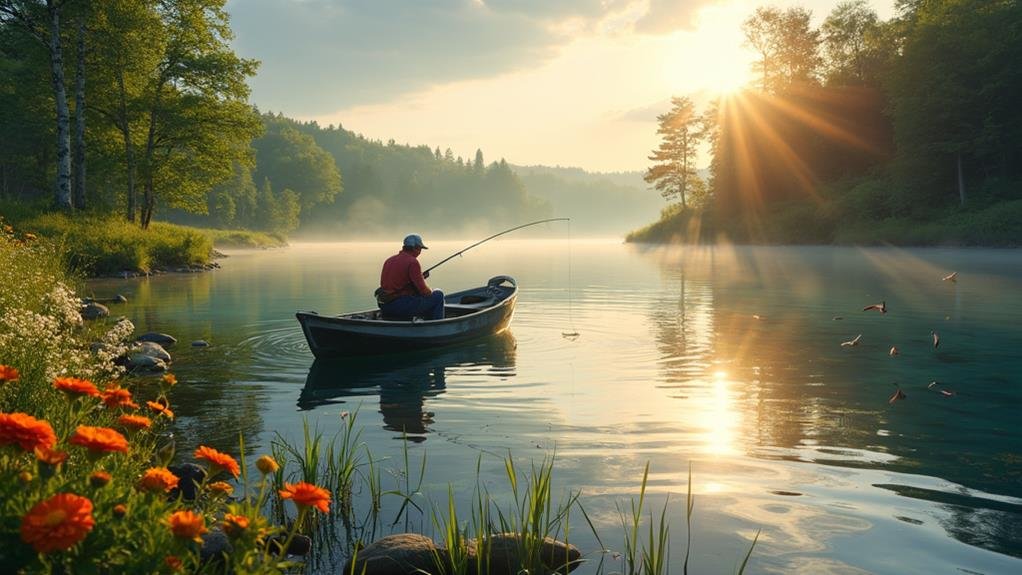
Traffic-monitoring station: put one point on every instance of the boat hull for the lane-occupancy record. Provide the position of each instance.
(357, 334)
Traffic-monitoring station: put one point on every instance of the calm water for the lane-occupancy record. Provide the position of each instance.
(727, 360)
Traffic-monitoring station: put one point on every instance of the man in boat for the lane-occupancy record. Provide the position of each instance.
(403, 293)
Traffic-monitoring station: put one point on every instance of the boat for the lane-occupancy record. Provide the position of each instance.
(468, 314)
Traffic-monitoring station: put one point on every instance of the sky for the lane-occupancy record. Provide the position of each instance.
(554, 82)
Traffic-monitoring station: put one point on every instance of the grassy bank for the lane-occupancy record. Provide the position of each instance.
(997, 225)
(107, 245)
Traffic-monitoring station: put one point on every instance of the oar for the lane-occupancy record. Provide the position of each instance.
(456, 254)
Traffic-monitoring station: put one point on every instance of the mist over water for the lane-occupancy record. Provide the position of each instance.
(724, 359)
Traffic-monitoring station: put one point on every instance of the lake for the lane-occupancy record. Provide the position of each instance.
(725, 361)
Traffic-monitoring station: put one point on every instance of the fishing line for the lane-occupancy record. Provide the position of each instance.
(573, 334)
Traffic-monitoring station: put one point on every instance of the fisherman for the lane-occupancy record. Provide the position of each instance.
(403, 293)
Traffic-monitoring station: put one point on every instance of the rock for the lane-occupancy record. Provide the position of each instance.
(189, 476)
(119, 299)
(156, 337)
(505, 555)
(94, 310)
(200, 343)
(142, 362)
(215, 547)
(402, 554)
(151, 349)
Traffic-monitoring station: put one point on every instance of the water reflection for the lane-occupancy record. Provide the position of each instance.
(404, 383)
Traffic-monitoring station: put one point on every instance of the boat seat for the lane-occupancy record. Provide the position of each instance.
(466, 308)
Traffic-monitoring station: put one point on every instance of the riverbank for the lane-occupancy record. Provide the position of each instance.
(997, 225)
(97, 246)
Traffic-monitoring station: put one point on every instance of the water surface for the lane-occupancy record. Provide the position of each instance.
(725, 360)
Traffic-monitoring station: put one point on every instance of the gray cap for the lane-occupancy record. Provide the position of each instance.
(414, 241)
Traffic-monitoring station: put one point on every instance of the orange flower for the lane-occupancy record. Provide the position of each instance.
(99, 440)
(116, 396)
(50, 456)
(26, 431)
(8, 373)
(173, 562)
(75, 386)
(135, 421)
(217, 460)
(25, 477)
(57, 523)
(221, 487)
(187, 525)
(99, 479)
(160, 408)
(120, 510)
(157, 479)
(169, 379)
(307, 495)
(234, 525)
(267, 465)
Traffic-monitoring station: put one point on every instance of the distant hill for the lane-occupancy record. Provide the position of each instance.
(599, 204)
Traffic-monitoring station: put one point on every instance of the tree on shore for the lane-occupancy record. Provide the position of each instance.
(673, 173)
(788, 47)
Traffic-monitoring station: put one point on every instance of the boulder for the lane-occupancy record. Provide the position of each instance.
(300, 544)
(156, 337)
(215, 547)
(402, 554)
(142, 362)
(151, 349)
(506, 554)
(94, 311)
(189, 476)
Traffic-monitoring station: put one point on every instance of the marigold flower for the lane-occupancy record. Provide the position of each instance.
(57, 523)
(169, 379)
(26, 431)
(30, 236)
(174, 563)
(99, 440)
(8, 373)
(116, 396)
(307, 495)
(25, 477)
(50, 456)
(120, 510)
(160, 408)
(267, 465)
(99, 479)
(221, 487)
(234, 525)
(158, 479)
(135, 421)
(187, 525)
(74, 386)
(217, 460)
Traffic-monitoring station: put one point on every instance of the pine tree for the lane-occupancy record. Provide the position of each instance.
(673, 172)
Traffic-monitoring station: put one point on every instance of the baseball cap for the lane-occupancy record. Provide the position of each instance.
(414, 241)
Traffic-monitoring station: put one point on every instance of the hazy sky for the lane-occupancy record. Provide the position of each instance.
(554, 82)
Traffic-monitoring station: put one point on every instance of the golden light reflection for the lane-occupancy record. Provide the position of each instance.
(720, 417)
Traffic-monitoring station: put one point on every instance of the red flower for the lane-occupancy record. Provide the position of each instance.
(187, 525)
(8, 373)
(99, 440)
(160, 408)
(158, 479)
(217, 460)
(99, 479)
(26, 431)
(307, 495)
(135, 421)
(57, 523)
(116, 396)
(75, 386)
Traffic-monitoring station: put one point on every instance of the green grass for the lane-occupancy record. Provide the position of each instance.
(244, 238)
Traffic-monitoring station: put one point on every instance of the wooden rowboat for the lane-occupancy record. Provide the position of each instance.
(468, 314)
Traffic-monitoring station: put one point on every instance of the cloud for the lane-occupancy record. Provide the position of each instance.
(647, 113)
(666, 16)
(321, 55)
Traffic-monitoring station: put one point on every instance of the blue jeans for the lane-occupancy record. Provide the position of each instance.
(409, 306)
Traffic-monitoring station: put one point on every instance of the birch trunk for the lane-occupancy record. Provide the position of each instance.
(961, 182)
(129, 150)
(62, 191)
(79, 159)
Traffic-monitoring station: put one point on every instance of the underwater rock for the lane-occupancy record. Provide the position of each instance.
(402, 554)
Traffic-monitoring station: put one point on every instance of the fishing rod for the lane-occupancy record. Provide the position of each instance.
(454, 255)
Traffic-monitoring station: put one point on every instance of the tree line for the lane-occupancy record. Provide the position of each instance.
(856, 121)
(134, 106)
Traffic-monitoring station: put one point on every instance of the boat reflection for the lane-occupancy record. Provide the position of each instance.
(405, 382)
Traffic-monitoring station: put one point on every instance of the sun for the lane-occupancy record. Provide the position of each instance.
(720, 59)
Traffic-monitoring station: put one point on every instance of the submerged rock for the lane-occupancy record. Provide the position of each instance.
(151, 349)
(300, 544)
(505, 554)
(200, 343)
(142, 362)
(189, 477)
(156, 337)
(402, 554)
(215, 547)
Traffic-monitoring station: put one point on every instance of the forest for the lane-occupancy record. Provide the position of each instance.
(858, 131)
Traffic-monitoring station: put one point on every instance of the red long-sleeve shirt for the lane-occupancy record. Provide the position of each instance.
(402, 275)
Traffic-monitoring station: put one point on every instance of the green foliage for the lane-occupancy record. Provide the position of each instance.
(673, 173)
(245, 239)
(292, 160)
